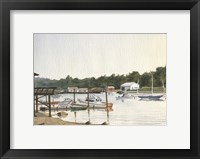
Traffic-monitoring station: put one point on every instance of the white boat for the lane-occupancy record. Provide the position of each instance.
(125, 96)
(65, 103)
(93, 98)
(95, 105)
(151, 96)
(56, 96)
(78, 106)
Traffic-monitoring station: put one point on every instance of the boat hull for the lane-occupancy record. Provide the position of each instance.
(76, 107)
(151, 97)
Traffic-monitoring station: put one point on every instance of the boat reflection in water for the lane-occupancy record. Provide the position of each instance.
(133, 111)
(138, 110)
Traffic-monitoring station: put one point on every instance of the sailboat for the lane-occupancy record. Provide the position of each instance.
(151, 96)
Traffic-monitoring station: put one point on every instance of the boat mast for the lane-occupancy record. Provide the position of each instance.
(152, 84)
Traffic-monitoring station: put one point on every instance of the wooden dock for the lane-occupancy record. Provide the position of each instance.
(68, 108)
(46, 103)
(50, 105)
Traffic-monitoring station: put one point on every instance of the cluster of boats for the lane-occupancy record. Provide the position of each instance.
(149, 97)
(93, 102)
(141, 97)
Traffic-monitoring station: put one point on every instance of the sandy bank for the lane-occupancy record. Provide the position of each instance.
(43, 119)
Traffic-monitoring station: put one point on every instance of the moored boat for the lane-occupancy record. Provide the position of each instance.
(65, 103)
(125, 96)
(150, 97)
(56, 96)
(78, 106)
(93, 98)
(95, 105)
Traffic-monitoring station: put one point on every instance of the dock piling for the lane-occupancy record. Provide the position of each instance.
(88, 102)
(74, 96)
(40, 92)
(75, 116)
(107, 107)
(88, 114)
(49, 105)
(36, 104)
(34, 108)
(88, 98)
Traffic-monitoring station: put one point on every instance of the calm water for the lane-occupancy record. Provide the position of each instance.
(127, 112)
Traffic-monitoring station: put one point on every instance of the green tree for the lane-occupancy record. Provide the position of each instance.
(160, 76)
(133, 77)
(146, 80)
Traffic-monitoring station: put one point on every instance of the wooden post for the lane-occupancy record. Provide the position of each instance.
(49, 106)
(75, 116)
(138, 87)
(36, 103)
(163, 86)
(152, 84)
(89, 114)
(88, 98)
(74, 96)
(107, 107)
(34, 107)
(88, 105)
(53, 105)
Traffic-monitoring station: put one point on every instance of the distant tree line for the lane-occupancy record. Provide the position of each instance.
(145, 80)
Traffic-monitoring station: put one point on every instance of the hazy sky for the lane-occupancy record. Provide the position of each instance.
(87, 55)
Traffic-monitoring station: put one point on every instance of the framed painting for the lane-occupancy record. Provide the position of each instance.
(111, 79)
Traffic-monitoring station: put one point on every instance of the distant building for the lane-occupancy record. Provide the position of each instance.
(72, 89)
(82, 90)
(129, 86)
(110, 88)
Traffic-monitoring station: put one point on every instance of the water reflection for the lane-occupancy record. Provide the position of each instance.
(125, 112)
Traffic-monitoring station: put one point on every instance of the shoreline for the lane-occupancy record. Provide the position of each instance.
(43, 119)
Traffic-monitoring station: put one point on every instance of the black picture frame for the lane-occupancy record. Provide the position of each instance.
(7, 5)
